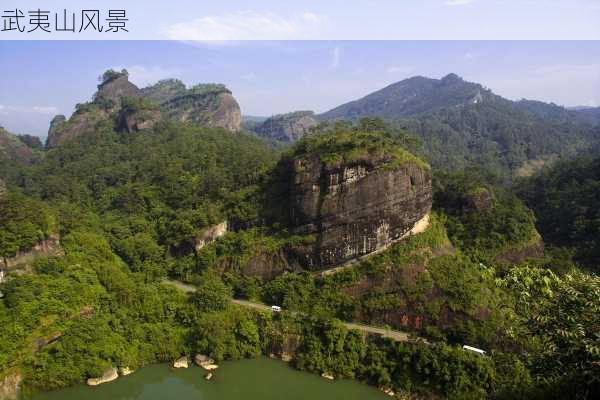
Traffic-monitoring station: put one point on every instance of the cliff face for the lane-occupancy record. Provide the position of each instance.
(209, 105)
(107, 101)
(114, 89)
(24, 258)
(215, 110)
(287, 127)
(355, 208)
(83, 120)
(11, 148)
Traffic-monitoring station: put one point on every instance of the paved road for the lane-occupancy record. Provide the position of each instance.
(398, 336)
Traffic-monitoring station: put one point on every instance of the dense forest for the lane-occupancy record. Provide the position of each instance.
(129, 208)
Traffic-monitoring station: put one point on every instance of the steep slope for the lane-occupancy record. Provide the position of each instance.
(287, 127)
(412, 96)
(120, 104)
(211, 105)
(114, 87)
(12, 149)
(357, 192)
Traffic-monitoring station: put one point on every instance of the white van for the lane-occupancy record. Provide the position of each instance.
(474, 349)
(275, 308)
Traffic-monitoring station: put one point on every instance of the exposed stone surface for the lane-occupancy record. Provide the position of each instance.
(10, 385)
(124, 371)
(11, 148)
(210, 234)
(108, 376)
(284, 346)
(46, 248)
(479, 200)
(356, 208)
(210, 105)
(202, 360)
(164, 90)
(327, 375)
(287, 127)
(139, 120)
(115, 88)
(181, 362)
(85, 119)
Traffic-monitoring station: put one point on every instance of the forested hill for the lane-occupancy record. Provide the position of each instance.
(463, 124)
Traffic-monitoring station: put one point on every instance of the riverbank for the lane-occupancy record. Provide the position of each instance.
(253, 379)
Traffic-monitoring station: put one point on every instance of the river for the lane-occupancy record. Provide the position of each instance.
(257, 379)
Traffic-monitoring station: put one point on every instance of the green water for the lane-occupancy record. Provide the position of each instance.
(258, 379)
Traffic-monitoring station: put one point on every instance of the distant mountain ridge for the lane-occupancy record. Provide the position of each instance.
(412, 96)
(462, 124)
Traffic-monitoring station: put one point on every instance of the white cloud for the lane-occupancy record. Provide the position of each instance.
(143, 76)
(245, 25)
(400, 69)
(335, 57)
(453, 3)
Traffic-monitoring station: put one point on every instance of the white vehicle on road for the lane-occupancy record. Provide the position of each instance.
(275, 308)
(474, 349)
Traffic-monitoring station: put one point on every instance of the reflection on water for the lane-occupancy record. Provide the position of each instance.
(258, 379)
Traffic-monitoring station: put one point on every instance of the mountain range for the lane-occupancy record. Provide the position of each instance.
(462, 124)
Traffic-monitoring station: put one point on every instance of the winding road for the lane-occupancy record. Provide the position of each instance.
(398, 336)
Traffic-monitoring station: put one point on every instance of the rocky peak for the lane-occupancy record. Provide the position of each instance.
(114, 87)
(451, 79)
(210, 105)
(287, 127)
(164, 90)
(357, 193)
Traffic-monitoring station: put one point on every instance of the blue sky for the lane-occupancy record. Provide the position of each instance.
(42, 79)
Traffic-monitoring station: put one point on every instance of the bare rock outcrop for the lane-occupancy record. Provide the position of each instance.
(358, 201)
(108, 376)
(49, 247)
(210, 234)
(210, 105)
(10, 385)
(287, 127)
(181, 362)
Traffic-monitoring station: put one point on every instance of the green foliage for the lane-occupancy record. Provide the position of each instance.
(32, 142)
(24, 221)
(565, 201)
(481, 220)
(211, 294)
(347, 143)
(561, 313)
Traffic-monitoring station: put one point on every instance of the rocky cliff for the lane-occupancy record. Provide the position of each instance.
(12, 149)
(49, 247)
(287, 127)
(209, 105)
(356, 193)
(115, 87)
